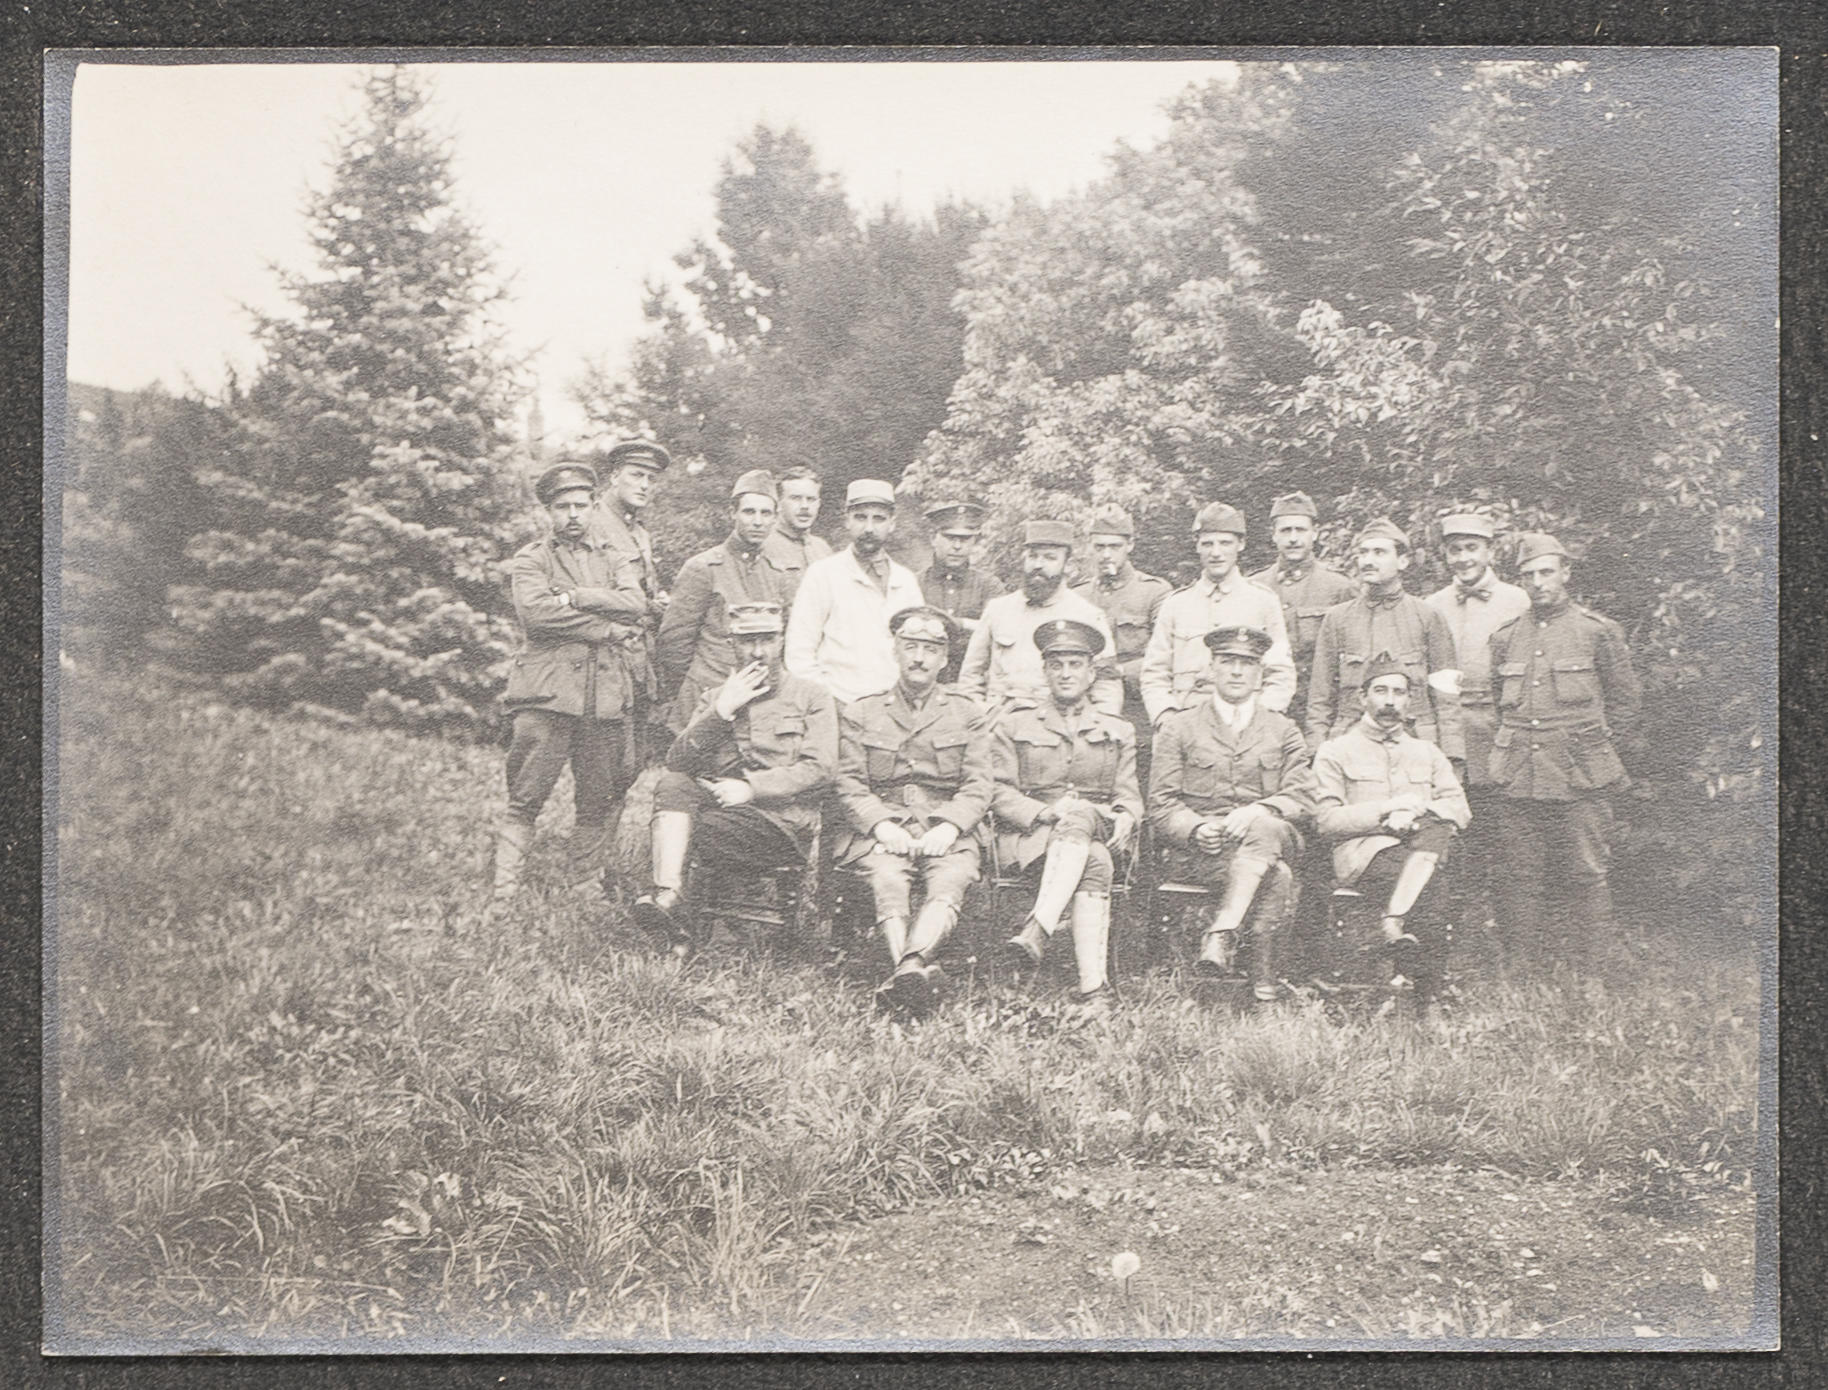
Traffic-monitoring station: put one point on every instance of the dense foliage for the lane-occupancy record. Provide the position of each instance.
(358, 516)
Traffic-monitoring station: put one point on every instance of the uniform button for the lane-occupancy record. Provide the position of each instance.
(1536, 747)
(1536, 682)
(1534, 723)
(1539, 653)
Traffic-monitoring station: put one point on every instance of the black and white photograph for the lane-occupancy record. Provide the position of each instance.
(911, 700)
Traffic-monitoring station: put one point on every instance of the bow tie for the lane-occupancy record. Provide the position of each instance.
(1482, 594)
(1384, 600)
(1109, 581)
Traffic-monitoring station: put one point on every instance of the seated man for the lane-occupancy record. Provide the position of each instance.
(913, 783)
(1391, 803)
(1066, 797)
(1228, 786)
(749, 772)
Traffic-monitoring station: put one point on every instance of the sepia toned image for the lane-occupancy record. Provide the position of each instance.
(911, 699)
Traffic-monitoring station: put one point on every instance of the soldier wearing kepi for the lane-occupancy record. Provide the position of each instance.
(1567, 697)
(1131, 601)
(951, 584)
(792, 547)
(1305, 587)
(1067, 797)
(694, 643)
(1001, 661)
(1384, 618)
(1474, 606)
(628, 472)
(1228, 790)
(1177, 667)
(1391, 804)
(750, 771)
(579, 683)
(913, 783)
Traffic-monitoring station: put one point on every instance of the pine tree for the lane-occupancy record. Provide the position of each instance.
(360, 520)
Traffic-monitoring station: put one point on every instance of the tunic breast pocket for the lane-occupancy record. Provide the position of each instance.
(1040, 761)
(779, 737)
(1306, 627)
(1132, 637)
(1269, 771)
(1510, 676)
(949, 756)
(1576, 683)
(1095, 764)
(1200, 774)
(1351, 668)
(879, 757)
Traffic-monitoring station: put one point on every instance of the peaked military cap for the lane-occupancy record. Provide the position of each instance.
(1381, 665)
(921, 622)
(1068, 635)
(1533, 545)
(1467, 524)
(1239, 640)
(1048, 533)
(1112, 521)
(872, 491)
(642, 452)
(1217, 516)
(1294, 504)
(757, 480)
(1383, 529)
(756, 619)
(564, 477)
(961, 517)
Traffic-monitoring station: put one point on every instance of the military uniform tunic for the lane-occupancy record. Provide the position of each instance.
(1002, 661)
(1365, 773)
(1472, 616)
(1177, 666)
(914, 764)
(793, 556)
(1041, 753)
(694, 643)
(1131, 601)
(1355, 632)
(961, 596)
(1305, 592)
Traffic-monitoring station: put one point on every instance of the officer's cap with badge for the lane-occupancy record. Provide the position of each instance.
(1294, 504)
(1054, 533)
(639, 453)
(1217, 516)
(1068, 635)
(1468, 524)
(956, 518)
(869, 492)
(1381, 665)
(1239, 640)
(568, 476)
(921, 622)
(757, 480)
(1533, 545)
(756, 619)
(1111, 520)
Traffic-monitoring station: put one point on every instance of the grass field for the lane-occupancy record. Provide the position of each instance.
(302, 1093)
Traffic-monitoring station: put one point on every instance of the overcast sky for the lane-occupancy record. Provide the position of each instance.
(188, 182)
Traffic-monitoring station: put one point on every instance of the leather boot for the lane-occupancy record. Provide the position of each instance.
(1027, 946)
(1092, 942)
(1218, 948)
(895, 936)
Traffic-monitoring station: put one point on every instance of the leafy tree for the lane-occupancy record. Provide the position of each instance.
(359, 520)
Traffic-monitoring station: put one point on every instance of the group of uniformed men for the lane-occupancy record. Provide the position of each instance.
(926, 718)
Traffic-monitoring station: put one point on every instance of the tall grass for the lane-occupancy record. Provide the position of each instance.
(303, 1092)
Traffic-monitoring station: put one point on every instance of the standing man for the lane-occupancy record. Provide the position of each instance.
(695, 649)
(1177, 667)
(913, 783)
(838, 633)
(1131, 601)
(1566, 694)
(1475, 605)
(1306, 587)
(1001, 660)
(1391, 804)
(1067, 796)
(951, 584)
(1227, 792)
(1383, 618)
(580, 681)
(628, 472)
(749, 771)
(792, 547)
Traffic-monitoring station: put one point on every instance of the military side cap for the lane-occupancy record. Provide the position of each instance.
(1294, 504)
(757, 480)
(1068, 635)
(1383, 529)
(961, 517)
(1533, 545)
(643, 452)
(1217, 516)
(564, 477)
(1381, 665)
(1467, 524)
(1048, 533)
(1112, 521)
(921, 623)
(756, 619)
(1239, 640)
(869, 490)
